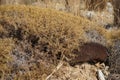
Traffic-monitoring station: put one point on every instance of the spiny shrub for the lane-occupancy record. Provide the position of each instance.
(49, 34)
(54, 31)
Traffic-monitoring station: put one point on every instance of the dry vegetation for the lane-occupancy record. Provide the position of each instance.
(6, 46)
(45, 32)
(98, 5)
(41, 38)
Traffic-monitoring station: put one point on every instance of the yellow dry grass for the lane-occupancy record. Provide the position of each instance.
(6, 46)
(51, 25)
(61, 32)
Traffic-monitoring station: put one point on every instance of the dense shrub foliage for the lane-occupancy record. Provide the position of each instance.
(39, 35)
(33, 40)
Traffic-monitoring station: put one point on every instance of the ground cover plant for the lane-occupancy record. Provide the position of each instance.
(37, 39)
